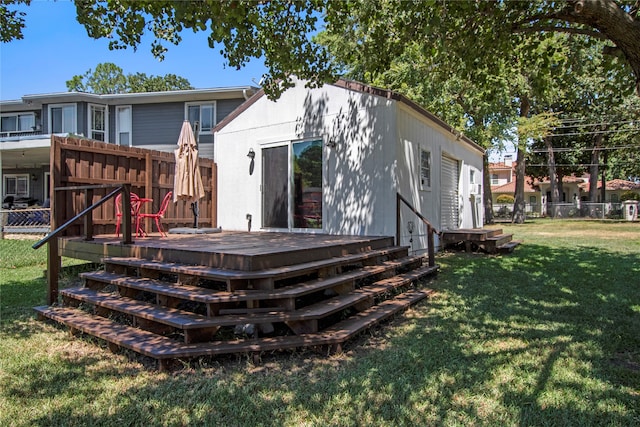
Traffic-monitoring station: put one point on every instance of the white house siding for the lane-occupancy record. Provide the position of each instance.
(369, 153)
(358, 173)
(416, 132)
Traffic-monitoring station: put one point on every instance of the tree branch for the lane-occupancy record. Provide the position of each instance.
(569, 30)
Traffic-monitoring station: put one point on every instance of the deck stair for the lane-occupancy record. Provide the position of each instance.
(170, 310)
(491, 241)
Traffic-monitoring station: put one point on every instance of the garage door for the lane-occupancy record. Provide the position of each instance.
(449, 208)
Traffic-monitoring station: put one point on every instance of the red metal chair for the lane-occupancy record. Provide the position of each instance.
(135, 207)
(158, 215)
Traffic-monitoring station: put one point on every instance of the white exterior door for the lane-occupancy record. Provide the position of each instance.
(449, 204)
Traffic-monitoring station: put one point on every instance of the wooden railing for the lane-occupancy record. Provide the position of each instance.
(53, 255)
(430, 228)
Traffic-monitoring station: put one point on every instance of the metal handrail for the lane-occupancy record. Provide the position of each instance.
(53, 256)
(431, 230)
(67, 224)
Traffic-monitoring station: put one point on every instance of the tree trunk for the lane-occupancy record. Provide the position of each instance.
(486, 191)
(553, 178)
(518, 204)
(603, 188)
(593, 168)
(560, 188)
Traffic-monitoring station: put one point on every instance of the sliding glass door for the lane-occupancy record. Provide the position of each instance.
(292, 185)
(275, 187)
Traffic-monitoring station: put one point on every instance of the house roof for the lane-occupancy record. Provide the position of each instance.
(29, 102)
(613, 185)
(510, 188)
(566, 180)
(501, 166)
(363, 88)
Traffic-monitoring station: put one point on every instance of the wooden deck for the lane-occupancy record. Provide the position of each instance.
(188, 296)
(227, 249)
(489, 240)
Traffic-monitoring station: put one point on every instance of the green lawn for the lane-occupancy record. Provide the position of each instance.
(548, 335)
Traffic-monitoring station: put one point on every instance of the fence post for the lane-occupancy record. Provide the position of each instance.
(398, 219)
(88, 219)
(53, 271)
(432, 249)
(126, 214)
(2, 223)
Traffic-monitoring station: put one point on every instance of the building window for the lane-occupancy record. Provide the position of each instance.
(203, 113)
(425, 169)
(62, 118)
(98, 122)
(123, 125)
(494, 179)
(16, 123)
(614, 198)
(16, 185)
(532, 200)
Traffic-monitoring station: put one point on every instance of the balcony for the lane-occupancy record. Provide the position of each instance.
(20, 133)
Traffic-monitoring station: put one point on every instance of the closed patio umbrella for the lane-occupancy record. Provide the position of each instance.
(187, 184)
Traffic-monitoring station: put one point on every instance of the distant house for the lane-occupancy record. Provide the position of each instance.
(332, 159)
(613, 189)
(149, 120)
(503, 182)
(571, 189)
(538, 192)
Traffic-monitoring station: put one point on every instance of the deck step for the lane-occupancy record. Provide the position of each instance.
(473, 235)
(492, 244)
(508, 247)
(161, 348)
(208, 296)
(170, 316)
(177, 318)
(347, 328)
(160, 320)
(233, 277)
(500, 239)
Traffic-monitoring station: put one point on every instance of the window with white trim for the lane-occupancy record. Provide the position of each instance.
(62, 118)
(98, 122)
(11, 123)
(202, 112)
(16, 185)
(425, 169)
(123, 125)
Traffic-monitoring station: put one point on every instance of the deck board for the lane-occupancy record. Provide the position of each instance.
(229, 249)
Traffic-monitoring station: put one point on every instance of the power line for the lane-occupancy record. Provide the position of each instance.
(595, 132)
(563, 149)
(544, 165)
(631, 122)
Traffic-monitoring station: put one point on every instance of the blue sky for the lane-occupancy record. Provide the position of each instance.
(56, 47)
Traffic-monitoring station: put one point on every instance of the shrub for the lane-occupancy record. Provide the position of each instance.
(505, 198)
(629, 195)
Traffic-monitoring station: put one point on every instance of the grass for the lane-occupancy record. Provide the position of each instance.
(548, 335)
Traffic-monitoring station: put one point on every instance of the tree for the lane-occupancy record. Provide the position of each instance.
(109, 78)
(11, 21)
(594, 113)
(140, 82)
(279, 30)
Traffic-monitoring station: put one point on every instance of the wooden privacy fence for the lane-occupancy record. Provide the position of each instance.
(81, 162)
